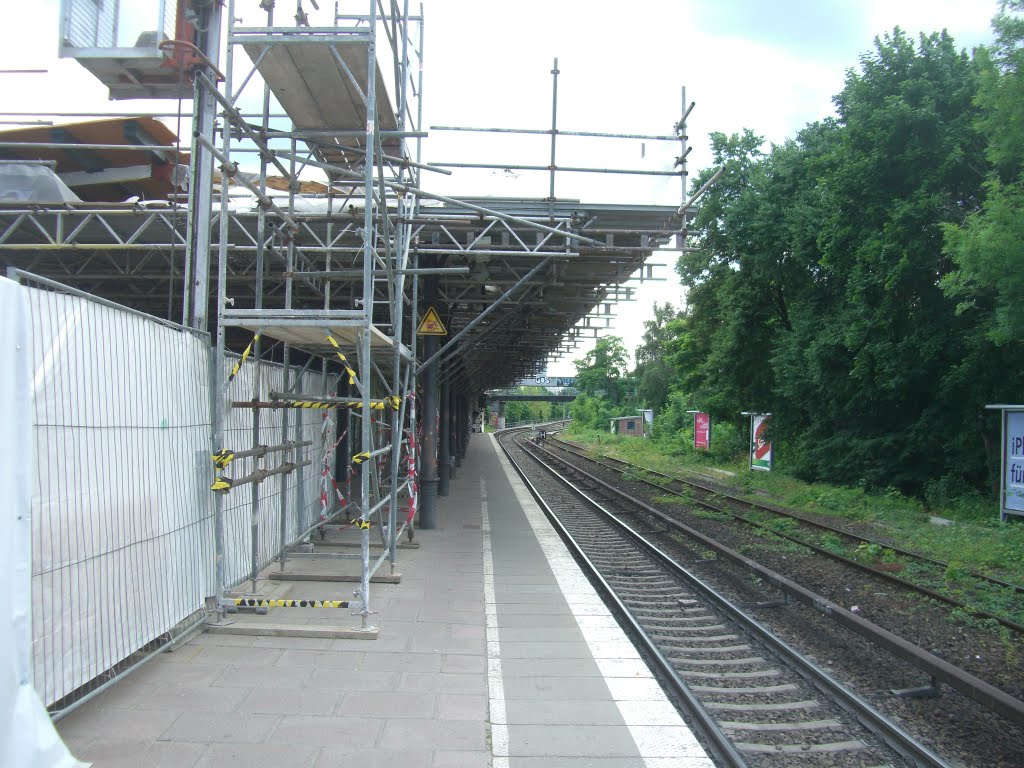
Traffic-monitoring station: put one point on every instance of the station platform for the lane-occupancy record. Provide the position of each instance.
(493, 650)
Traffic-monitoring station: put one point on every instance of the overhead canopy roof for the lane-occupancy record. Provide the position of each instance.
(134, 256)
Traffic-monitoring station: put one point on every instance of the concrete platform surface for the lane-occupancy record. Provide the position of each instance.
(493, 650)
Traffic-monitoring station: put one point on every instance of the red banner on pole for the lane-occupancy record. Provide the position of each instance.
(702, 430)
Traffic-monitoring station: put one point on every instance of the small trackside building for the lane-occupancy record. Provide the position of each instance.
(631, 426)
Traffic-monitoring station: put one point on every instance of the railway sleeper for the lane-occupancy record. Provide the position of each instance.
(673, 641)
(782, 706)
(755, 674)
(837, 746)
(748, 661)
(800, 725)
(762, 690)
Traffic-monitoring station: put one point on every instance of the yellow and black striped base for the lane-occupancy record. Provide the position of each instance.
(253, 602)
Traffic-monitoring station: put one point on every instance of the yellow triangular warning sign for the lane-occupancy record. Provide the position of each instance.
(431, 324)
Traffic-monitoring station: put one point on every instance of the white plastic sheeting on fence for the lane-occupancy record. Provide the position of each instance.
(122, 533)
(27, 737)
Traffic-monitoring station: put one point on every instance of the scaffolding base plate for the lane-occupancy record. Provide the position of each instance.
(292, 630)
(334, 577)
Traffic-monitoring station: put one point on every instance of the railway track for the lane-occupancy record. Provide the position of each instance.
(932, 572)
(756, 700)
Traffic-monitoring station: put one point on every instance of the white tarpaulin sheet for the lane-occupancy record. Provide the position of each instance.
(27, 737)
(122, 538)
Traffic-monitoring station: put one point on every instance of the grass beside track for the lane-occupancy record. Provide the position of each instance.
(973, 539)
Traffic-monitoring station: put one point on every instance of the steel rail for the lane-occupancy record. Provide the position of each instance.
(894, 736)
(755, 505)
(939, 669)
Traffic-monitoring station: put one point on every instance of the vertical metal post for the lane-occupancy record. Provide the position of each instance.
(501, 414)
(554, 135)
(460, 432)
(428, 452)
(683, 138)
(254, 514)
(444, 473)
(200, 202)
(1005, 419)
(217, 393)
(417, 448)
(399, 382)
(364, 338)
(257, 350)
(341, 458)
(286, 374)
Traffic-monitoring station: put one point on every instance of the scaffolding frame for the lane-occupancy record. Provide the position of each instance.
(361, 266)
(537, 277)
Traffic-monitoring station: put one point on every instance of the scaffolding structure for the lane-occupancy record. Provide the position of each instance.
(342, 122)
(320, 271)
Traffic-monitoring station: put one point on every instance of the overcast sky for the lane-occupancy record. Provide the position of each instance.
(772, 67)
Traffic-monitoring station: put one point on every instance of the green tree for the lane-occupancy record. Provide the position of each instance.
(815, 289)
(602, 370)
(720, 354)
(989, 249)
(654, 374)
(864, 375)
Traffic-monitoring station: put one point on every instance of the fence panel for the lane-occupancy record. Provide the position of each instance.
(122, 519)
(300, 489)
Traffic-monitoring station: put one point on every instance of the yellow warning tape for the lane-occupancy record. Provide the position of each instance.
(250, 602)
(245, 355)
(222, 458)
(359, 458)
(221, 485)
(344, 361)
(394, 403)
(362, 525)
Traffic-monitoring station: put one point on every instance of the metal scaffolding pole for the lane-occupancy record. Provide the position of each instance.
(444, 453)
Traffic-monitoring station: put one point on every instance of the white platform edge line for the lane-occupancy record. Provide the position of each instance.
(495, 682)
(662, 739)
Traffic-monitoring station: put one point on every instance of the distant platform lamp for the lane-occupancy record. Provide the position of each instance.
(138, 50)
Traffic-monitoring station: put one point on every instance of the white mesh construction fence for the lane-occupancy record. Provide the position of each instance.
(122, 515)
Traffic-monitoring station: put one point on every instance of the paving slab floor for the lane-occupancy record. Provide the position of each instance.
(493, 650)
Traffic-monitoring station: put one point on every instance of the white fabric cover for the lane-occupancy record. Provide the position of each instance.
(27, 737)
(33, 183)
(123, 529)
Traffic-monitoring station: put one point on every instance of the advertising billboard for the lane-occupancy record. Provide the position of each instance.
(760, 448)
(1013, 463)
(702, 430)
